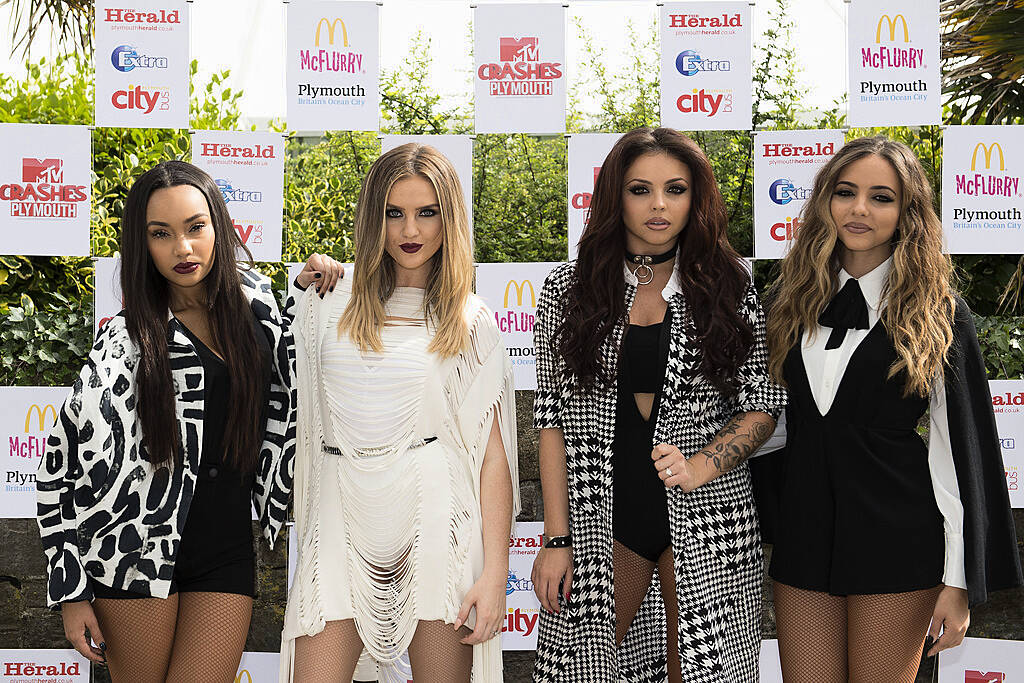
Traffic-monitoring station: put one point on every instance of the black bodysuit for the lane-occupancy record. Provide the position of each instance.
(639, 507)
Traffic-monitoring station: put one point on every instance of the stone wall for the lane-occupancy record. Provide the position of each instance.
(26, 623)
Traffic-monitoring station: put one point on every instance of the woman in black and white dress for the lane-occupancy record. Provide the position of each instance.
(652, 390)
(875, 534)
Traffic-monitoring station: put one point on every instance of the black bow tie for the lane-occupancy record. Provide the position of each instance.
(846, 311)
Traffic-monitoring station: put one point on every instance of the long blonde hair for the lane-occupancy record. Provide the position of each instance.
(918, 312)
(451, 269)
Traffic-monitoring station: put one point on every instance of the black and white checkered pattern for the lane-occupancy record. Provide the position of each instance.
(715, 535)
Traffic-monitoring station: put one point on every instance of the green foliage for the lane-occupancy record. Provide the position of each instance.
(45, 346)
(1001, 339)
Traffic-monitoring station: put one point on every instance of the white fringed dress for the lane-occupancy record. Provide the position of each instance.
(389, 527)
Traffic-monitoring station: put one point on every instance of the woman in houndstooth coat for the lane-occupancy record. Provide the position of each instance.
(651, 393)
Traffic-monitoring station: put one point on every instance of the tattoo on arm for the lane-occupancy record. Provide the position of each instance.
(735, 442)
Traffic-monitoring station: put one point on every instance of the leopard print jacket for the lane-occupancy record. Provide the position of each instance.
(104, 511)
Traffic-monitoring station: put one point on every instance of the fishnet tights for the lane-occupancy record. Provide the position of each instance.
(858, 638)
(188, 637)
(435, 653)
(632, 579)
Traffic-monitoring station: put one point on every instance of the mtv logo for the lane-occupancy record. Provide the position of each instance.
(971, 676)
(518, 50)
(42, 171)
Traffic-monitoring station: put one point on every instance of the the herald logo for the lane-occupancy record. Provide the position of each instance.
(972, 676)
(42, 170)
(520, 621)
(138, 98)
(519, 49)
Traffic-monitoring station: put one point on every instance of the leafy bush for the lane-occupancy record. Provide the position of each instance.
(45, 346)
(1001, 339)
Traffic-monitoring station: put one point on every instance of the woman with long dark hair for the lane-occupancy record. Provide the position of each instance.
(876, 534)
(182, 418)
(652, 391)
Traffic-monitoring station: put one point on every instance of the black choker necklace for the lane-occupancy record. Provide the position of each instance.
(644, 274)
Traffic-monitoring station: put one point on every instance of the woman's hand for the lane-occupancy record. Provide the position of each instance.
(488, 597)
(552, 567)
(674, 469)
(952, 617)
(323, 270)
(79, 618)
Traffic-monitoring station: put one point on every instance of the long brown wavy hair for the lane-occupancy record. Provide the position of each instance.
(918, 295)
(711, 275)
(146, 302)
(451, 269)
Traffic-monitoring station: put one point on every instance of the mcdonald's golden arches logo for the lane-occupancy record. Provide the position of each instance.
(41, 412)
(892, 28)
(331, 27)
(243, 675)
(987, 150)
(520, 288)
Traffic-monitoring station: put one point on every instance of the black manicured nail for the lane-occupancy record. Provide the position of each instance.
(316, 275)
(332, 289)
(103, 646)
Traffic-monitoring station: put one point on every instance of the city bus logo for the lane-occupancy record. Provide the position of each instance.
(892, 28)
(41, 413)
(520, 288)
(331, 27)
(987, 150)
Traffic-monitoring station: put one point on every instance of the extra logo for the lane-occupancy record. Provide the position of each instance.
(125, 58)
(233, 194)
(988, 184)
(702, 101)
(517, 321)
(889, 57)
(42, 192)
(1008, 444)
(517, 584)
(783, 191)
(331, 60)
(972, 676)
(689, 63)
(146, 100)
(520, 70)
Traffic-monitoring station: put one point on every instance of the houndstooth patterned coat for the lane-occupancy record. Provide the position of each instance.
(715, 537)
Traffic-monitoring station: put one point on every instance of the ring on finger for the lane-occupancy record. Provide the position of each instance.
(668, 471)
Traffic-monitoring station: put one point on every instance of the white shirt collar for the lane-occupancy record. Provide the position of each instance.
(872, 283)
(671, 289)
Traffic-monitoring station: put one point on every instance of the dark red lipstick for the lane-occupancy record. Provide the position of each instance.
(185, 267)
(410, 247)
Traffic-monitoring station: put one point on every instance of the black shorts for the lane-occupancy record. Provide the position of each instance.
(216, 551)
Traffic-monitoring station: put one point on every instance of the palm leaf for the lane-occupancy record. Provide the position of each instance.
(71, 21)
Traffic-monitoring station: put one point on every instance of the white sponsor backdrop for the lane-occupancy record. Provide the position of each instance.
(108, 290)
(45, 181)
(771, 670)
(521, 605)
(458, 149)
(894, 63)
(519, 51)
(1008, 405)
(332, 72)
(587, 152)
(982, 196)
(142, 64)
(705, 66)
(510, 290)
(26, 416)
(258, 667)
(983, 660)
(249, 170)
(43, 666)
(785, 163)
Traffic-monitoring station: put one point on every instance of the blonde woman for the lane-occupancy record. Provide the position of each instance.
(881, 541)
(405, 476)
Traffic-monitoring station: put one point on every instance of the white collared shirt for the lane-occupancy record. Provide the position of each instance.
(825, 370)
(670, 288)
